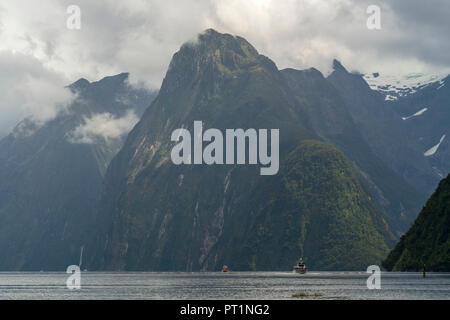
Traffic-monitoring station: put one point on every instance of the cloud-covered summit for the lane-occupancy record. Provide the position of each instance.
(103, 125)
(140, 37)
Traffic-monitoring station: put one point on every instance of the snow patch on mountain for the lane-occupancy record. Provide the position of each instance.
(441, 84)
(418, 113)
(434, 149)
(394, 87)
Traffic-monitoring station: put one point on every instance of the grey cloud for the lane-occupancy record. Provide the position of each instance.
(426, 29)
(29, 90)
(103, 125)
(140, 36)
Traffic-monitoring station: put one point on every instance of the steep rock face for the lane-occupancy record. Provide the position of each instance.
(381, 129)
(316, 208)
(159, 216)
(425, 118)
(427, 243)
(50, 183)
(329, 116)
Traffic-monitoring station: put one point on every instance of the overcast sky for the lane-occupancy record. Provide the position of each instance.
(39, 54)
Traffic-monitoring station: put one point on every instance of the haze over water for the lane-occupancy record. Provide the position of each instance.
(216, 285)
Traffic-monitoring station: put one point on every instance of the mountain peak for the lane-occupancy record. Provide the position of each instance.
(80, 84)
(210, 34)
(83, 83)
(118, 78)
(337, 66)
(210, 42)
(214, 55)
(211, 31)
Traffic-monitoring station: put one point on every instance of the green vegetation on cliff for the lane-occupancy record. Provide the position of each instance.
(428, 241)
(316, 208)
(160, 216)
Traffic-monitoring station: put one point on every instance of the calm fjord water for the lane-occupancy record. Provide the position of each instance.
(216, 285)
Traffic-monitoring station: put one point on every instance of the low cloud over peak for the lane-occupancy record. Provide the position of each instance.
(103, 126)
(140, 36)
(29, 90)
